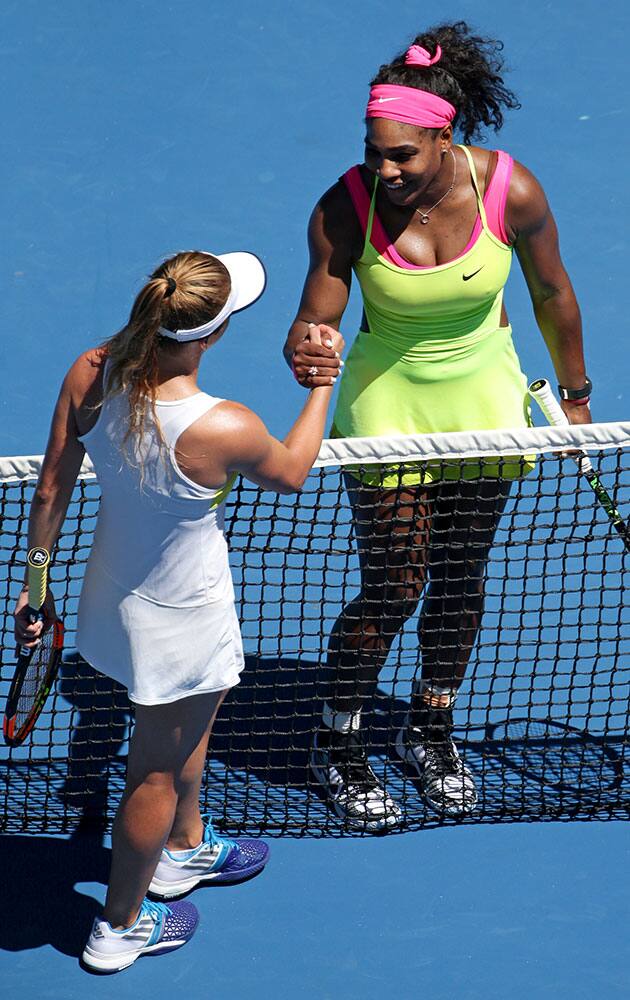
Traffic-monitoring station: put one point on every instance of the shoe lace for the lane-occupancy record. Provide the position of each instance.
(157, 911)
(212, 838)
(434, 734)
(351, 760)
(441, 757)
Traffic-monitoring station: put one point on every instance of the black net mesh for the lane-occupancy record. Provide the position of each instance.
(541, 716)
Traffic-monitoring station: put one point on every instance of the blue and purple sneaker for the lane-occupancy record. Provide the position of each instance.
(217, 859)
(156, 930)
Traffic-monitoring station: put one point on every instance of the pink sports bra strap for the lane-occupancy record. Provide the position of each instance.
(358, 194)
(369, 221)
(493, 202)
(496, 196)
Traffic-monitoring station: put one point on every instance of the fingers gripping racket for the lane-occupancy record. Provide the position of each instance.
(541, 391)
(36, 666)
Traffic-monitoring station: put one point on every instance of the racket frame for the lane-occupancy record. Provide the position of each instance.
(38, 560)
(14, 737)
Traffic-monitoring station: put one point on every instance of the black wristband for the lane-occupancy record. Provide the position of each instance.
(582, 393)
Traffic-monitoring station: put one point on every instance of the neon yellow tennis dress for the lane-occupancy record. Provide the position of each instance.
(434, 357)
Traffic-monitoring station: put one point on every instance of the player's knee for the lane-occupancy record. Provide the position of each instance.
(401, 600)
(460, 594)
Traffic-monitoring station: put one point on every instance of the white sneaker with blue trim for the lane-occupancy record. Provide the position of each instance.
(157, 929)
(217, 859)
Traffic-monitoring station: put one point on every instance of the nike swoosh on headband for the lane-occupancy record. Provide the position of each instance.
(413, 106)
(467, 277)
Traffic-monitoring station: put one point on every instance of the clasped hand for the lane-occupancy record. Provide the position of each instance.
(317, 359)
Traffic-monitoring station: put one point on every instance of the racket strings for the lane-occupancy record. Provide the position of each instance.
(35, 676)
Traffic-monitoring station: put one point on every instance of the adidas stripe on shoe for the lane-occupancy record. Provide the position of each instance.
(219, 860)
(156, 930)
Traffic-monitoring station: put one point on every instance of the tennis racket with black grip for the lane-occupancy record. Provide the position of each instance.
(36, 666)
(541, 391)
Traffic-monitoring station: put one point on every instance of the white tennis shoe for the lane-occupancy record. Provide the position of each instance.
(217, 859)
(156, 930)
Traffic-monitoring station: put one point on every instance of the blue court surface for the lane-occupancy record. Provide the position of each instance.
(133, 130)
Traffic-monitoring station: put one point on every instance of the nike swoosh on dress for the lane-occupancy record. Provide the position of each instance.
(467, 277)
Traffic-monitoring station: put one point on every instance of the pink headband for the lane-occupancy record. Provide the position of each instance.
(408, 104)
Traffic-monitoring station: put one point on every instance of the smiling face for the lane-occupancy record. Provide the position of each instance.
(406, 158)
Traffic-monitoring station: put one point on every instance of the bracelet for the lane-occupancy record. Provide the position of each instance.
(580, 402)
(576, 394)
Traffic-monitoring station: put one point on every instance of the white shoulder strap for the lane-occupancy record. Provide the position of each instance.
(174, 420)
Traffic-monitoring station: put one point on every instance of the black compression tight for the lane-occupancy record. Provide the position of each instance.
(433, 541)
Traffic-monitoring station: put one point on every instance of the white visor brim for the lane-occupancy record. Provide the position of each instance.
(247, 279)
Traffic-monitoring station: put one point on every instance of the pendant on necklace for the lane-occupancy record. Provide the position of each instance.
(424, 219)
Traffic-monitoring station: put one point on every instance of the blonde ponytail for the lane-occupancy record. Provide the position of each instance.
(183, 292)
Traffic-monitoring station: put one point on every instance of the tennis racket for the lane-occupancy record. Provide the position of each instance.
(36, 666)
(541, 391)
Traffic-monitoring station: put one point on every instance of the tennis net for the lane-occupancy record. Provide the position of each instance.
(541, 718)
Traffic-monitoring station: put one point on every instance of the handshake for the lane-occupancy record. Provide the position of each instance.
(316, 360)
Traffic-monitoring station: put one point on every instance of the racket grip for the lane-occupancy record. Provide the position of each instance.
(37, 562)
(541, 391)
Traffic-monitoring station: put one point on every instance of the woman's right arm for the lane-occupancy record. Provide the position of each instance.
(250, 449)
(335, 240)
(232, 438)
(276, 465)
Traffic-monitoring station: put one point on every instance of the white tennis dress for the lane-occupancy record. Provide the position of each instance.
(156, 611)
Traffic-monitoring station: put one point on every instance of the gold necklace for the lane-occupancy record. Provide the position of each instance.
(424, 216)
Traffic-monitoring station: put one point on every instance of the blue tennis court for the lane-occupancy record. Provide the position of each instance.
(136, 130)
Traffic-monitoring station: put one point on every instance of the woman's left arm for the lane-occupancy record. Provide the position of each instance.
(62, 461)
(534, 235)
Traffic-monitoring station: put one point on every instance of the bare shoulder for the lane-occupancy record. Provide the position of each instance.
(527, 209)
(82, 388)
(221, 439)
(230, 428)
(336, 202)
(334, 222)
(85, 371)
(484, 161)
(232, 416)
(524, 185)
(482, 158)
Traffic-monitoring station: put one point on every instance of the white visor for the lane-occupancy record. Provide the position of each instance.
(247, 280)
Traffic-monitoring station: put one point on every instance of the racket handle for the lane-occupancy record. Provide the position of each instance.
(541, 391)
(37, 562)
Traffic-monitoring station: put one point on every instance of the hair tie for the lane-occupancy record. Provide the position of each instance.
(170, 287)
(417, 56)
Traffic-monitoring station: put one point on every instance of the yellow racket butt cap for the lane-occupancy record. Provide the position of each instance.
(37, 562)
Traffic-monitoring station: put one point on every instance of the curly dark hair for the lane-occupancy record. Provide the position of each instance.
(468, 76)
